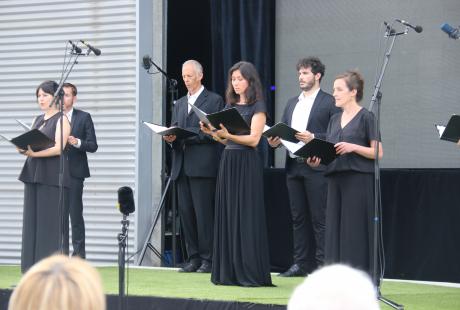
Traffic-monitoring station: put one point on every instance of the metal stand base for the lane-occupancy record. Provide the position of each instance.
(390, 302)
(147, 243)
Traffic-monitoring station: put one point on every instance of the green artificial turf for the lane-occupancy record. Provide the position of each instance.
(170, 283)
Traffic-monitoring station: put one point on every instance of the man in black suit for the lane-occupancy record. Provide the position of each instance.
(82, 139)
(308, 113)
(194, 169)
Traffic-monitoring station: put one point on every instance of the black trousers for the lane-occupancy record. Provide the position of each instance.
(41, 223)
(349, 225)
(196, 211)
(76, 216)
(307, 197)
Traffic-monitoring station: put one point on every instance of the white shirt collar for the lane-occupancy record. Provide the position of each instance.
(192, 98)
(312, 96)
(69, 114)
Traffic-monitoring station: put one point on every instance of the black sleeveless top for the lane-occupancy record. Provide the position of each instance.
(247, 111)
(45, 170)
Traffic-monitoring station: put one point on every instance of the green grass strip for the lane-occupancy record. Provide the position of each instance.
(170, 283)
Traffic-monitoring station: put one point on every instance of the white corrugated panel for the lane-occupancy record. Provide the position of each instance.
(33, 34)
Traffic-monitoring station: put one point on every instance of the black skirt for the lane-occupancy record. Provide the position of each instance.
(241, 255)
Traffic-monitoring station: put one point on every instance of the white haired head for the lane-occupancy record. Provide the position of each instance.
(335, 287)
(197, 66)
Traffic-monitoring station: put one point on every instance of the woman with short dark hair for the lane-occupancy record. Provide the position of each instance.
(40, 174)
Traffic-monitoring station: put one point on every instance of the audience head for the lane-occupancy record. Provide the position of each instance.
(243, 81)
(335, 287)
(353, 82)
(192, 74)
(59, 282)
(312, 63)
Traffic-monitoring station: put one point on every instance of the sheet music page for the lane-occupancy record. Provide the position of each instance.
(201, 115)
(156, 128)
(440, 129)
(6, 138)
(290, 146)
(23, 125)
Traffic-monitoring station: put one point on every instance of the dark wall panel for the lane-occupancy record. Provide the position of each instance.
(421, 82)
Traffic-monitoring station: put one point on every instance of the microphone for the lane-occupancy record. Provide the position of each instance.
(417, 28)
(75, 47)
(454, 33)
(146, 62)
(125, 200)
(96, 51)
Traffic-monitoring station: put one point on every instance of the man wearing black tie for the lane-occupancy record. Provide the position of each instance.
(194, 169)
(309, 113)
(82, 139)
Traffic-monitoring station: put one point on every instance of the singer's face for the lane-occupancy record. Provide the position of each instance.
(69, 99)
(239, 83)
(342, 94)
(307, 79)
(44, 100)
(192, 79)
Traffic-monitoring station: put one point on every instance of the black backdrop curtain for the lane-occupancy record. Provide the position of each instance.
(244, 30)
(421, 234)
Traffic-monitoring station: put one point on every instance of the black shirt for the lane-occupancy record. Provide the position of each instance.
(45, 170)
(359, 130)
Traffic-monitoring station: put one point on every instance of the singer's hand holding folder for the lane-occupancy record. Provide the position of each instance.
(282, 131)
(180, 133)
(230, 118)
(35, 138)
(318, 148)
(451, 132)
(315, 148)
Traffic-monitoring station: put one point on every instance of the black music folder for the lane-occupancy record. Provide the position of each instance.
(451, 132)
(179, 132)
(319, 148)
(283, 131)
(230, 118)
(35, 138)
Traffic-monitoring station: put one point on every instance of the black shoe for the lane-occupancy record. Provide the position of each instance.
(294, 271)
(190, 267)
(205, 267)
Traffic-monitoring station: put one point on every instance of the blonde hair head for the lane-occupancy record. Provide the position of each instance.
(59, 282)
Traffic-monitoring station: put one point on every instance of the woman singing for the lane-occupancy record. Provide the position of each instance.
(350, 200)
(40, 174)
(241, 254)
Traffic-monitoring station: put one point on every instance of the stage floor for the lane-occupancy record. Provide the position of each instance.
(167, 282)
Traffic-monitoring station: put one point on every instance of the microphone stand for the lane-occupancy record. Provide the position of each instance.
(165, 179)
(122, 237)
(377, 99)
(58, 99)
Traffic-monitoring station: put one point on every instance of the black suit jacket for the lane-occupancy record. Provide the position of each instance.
(322, 110)
(82, 127)
(198, 156)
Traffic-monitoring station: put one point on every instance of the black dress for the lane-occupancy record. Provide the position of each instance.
(241, 254)
(350, 201)
(40, 224)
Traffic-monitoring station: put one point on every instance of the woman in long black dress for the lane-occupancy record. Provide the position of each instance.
(350, 200)
(241, 254)
(40, 174)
